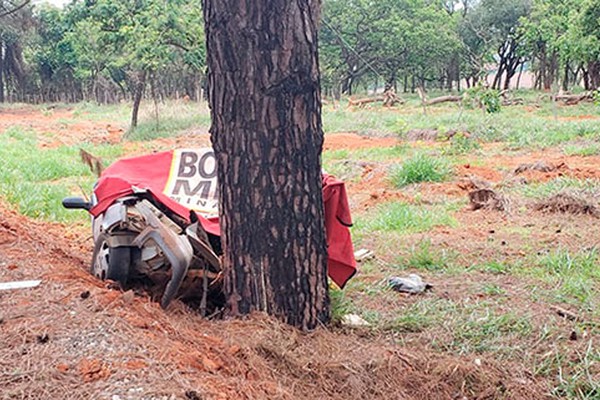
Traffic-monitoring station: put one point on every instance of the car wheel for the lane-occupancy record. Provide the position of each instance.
(110, 262)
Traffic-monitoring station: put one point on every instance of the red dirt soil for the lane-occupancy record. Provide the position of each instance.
(352, 141)
(72, 337)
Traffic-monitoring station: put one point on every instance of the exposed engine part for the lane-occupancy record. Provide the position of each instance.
(177, 248)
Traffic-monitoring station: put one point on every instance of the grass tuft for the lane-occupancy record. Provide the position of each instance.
(405, 218)
(420, 168)
(425, 257)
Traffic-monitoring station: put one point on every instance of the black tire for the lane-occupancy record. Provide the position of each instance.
(111, 262)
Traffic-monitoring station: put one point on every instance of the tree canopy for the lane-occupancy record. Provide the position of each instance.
(108, 51)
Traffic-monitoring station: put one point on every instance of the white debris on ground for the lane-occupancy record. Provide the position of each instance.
(412, 284)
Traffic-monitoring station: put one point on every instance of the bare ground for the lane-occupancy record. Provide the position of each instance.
(74, 337)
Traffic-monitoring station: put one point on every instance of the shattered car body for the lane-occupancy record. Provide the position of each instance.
(155, 221)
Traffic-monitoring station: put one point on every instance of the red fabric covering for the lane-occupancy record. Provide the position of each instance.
(151, 172)
(342, 265)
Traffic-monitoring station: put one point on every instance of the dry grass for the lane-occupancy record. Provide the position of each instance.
(73, 338)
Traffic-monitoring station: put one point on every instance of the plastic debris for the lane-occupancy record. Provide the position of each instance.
(412, 284)
(363, 254)
(354, 320)
(19, 284)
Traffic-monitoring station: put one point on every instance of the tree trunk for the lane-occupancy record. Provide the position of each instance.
(520, 75)
(594, 75)
(1, 71)
(264, 94)
(565, 82)
(137, 97)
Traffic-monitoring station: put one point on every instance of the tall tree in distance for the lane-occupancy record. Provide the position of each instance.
(264, 94)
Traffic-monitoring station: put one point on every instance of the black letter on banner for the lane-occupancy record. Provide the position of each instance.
(202, 165)
(187, 169)
(203, 187)
(182, 184)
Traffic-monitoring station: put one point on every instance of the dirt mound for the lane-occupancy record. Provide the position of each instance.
(73, 337)
(488, 199)
(538, 166)
(432, 135)
(568, 203)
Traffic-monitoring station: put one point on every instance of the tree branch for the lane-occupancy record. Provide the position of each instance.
(7, 12)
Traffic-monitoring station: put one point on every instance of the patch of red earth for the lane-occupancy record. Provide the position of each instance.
(353, 141)
(484, 173)
(93, 369)
(500, 166)
(56, 127)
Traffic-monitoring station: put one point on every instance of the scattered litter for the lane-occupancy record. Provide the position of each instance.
(192, 395)
(19, 284)
(488, 199)
(363, 254)
(539, 166)
(411, 284)
(354, 321)
(478, 362)
(84, 295)
(568, 203)
(44, 338)
(564, 313)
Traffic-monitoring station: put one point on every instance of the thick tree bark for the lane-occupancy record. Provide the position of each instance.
(1, 71)
(263, 83)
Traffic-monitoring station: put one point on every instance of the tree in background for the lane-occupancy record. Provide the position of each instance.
(103, 51)
(264, 94)
(590, 40)
(107, 51)
(132, 41)
(16, 23)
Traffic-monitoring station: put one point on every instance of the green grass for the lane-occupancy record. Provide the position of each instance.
(349, 165)
(340, 304)
(554, 186)
(425, 256)
(486, 330)
(415, 318)
(404, 218)
(576, 276)
(491, 289)
(518, 126)
(36, 180)
(171, 122)
(420, 168)
(574, 376)
(592, 149)
(460, 144)
(493, 267)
